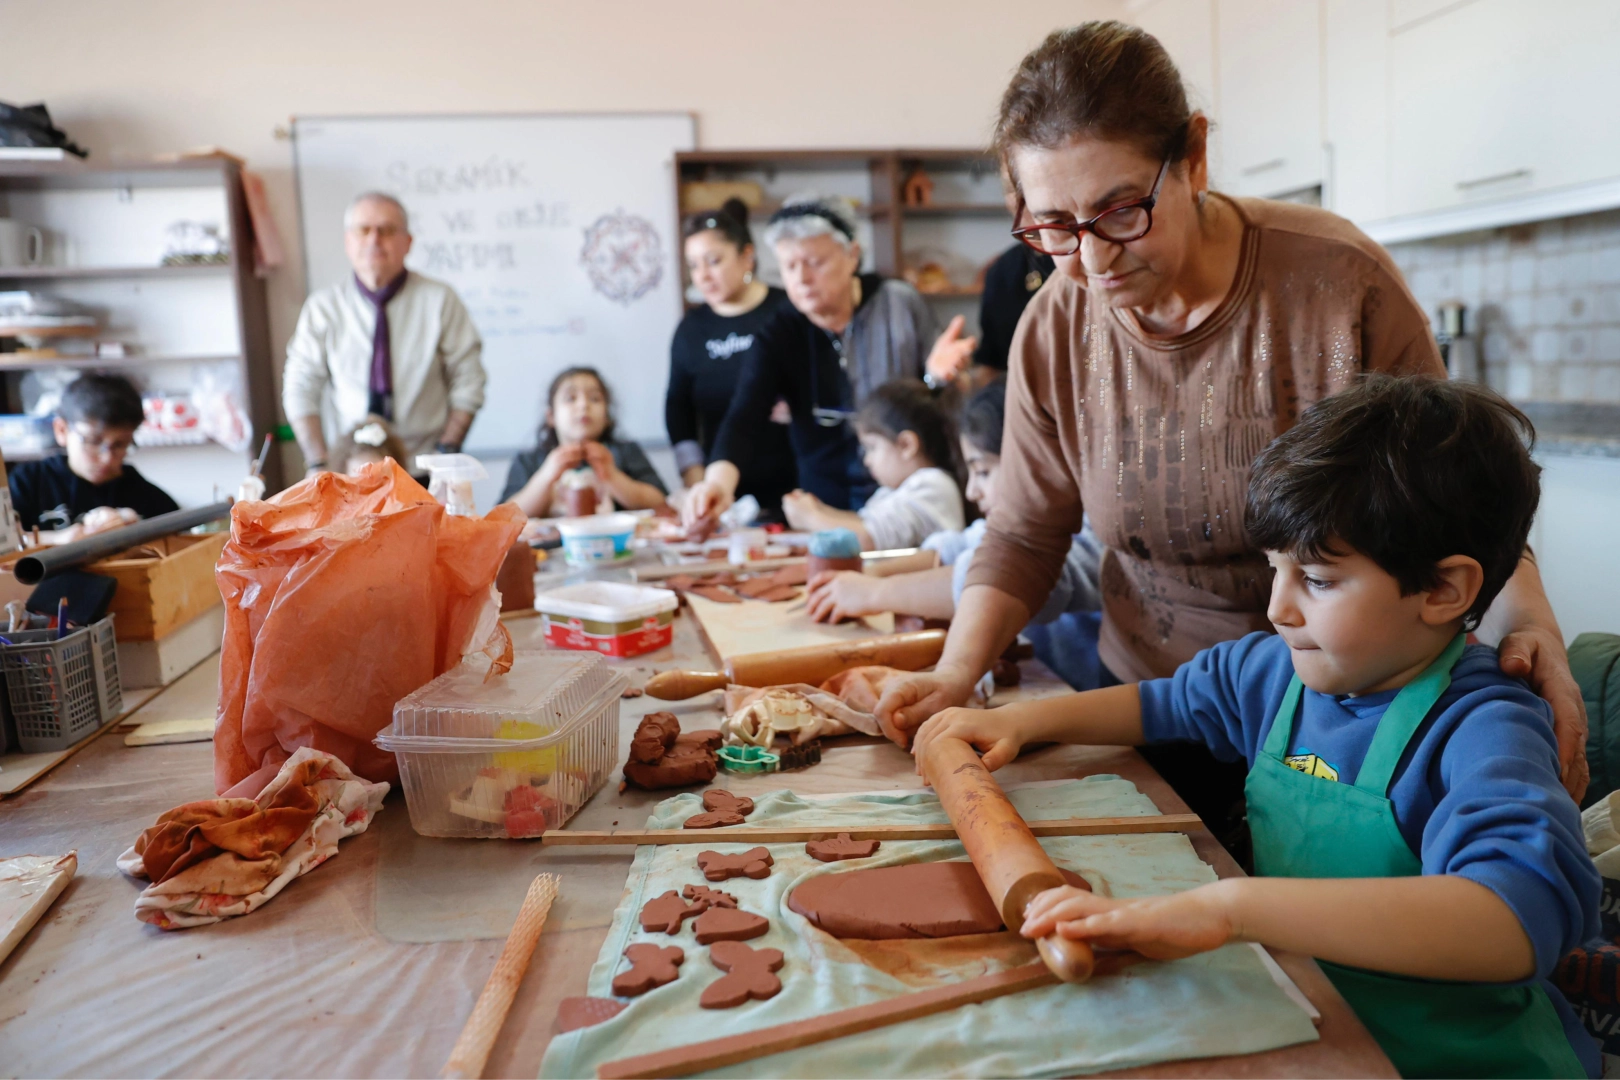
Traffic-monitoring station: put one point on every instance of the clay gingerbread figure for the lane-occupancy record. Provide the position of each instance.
(750, 975)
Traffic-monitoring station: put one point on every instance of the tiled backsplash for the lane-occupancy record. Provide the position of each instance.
(1543, 302)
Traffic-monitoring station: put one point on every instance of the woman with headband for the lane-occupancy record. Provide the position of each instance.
(712, 345)
(846, 334)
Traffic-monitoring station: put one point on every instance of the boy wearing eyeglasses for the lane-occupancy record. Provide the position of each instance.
(88, 488)
(1410, 828)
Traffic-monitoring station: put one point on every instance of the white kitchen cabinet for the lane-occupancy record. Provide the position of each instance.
(1355, 108)
(1490, 100)
(1186, 29)
(1269, 93)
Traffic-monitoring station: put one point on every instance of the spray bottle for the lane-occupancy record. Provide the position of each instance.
(450, 480)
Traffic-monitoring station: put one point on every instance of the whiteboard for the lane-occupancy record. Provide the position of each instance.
(559, 232)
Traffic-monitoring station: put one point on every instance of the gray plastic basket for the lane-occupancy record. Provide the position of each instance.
(58, 688)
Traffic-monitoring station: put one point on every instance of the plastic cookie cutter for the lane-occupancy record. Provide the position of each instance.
(748, 759)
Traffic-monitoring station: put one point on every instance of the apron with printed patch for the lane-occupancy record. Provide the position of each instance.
(1307, 827)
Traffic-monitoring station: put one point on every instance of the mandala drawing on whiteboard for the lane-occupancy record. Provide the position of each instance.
(622, 256)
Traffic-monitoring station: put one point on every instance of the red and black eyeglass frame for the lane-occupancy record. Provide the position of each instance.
(1029, 235)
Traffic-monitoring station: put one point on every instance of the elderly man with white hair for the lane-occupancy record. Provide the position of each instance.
(846, 334)
(388, 343)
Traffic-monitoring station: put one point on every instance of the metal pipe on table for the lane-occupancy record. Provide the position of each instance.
(38, 565)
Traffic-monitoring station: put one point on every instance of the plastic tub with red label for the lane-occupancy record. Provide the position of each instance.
(608, 617)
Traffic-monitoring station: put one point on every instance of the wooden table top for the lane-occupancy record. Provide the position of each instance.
(311, 985)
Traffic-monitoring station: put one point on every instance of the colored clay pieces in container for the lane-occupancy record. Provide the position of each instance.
(721, 808)
(650, 966)
(750, 975)
(833, 549)
(754, 863)
(662, 756)
(840, 847)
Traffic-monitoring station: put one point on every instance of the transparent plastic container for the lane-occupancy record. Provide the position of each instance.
(511, 757)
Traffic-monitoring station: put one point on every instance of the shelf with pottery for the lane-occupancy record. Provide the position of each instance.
(60, 273)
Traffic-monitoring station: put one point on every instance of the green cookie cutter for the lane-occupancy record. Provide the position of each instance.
(748, 759)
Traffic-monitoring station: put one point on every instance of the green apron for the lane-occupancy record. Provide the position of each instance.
(1309, 827)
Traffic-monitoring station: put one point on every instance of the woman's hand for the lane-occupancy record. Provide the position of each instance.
(1537, 656)
(1159, 927)
(952, 353)
(909, 702)
(995, 733)
(843, 594)
(704, 500)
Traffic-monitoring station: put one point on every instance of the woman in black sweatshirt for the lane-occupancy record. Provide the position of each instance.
(711, 346)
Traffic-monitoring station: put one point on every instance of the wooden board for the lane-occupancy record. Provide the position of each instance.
(754, 626)
(163, 585)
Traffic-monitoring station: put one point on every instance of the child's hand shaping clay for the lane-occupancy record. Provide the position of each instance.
(599, 458)
(1159, 927)
(994, 733)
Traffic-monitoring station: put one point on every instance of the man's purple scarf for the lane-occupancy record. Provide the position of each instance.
(382, 354)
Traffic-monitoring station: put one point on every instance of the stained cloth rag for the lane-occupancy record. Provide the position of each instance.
(217, 858)
(1217, 1003)
(342, 595)
(843, 704)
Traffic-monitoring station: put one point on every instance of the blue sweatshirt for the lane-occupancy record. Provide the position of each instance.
(1476, 794)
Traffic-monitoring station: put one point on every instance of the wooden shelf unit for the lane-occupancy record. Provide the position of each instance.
(35, 183)
(886, 171)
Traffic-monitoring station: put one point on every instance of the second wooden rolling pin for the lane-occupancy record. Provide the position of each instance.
(813, 664)
(1010, 861)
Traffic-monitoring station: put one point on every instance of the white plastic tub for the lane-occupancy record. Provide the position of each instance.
(608, 617)
(510, 757)
(600, 538)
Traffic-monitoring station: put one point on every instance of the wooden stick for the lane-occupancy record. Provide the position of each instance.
(718, 1053)
(743, 834)
(477, 1038)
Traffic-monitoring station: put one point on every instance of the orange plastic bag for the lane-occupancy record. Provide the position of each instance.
(342, 595)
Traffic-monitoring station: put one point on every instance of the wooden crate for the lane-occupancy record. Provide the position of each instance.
(163, 585)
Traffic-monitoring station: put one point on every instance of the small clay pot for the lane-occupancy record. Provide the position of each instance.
(815, 564)
(580, 501)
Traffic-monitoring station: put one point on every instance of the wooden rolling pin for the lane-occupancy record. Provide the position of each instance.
(813, 664)
(1010, 861)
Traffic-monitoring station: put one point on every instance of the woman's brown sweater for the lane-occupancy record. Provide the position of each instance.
(1154, 436)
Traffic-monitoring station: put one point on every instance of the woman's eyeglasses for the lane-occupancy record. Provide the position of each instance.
(1117, 225)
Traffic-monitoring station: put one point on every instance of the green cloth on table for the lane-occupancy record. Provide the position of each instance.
(1222, 1002)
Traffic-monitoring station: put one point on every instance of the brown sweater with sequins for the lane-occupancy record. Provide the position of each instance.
(1154, 436)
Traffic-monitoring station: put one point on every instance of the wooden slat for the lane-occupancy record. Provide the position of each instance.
(718, 1053)
(743, 834)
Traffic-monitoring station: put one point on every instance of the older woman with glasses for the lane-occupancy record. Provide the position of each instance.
(1182, 331)
(845, 334)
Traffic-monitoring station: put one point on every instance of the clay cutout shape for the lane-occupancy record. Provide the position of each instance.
(650, 966)
(750, 975)
(729, 924)
(702, 894)
(792, 575)
(716, 593)
(777, 594)
(713, 820)
(918, 900)
(755, 863)
(756, 585)
(666, 913)
(721, 799)
(574, 1013)
(840, 847)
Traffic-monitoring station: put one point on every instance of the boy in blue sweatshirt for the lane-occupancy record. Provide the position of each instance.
(1410, 829)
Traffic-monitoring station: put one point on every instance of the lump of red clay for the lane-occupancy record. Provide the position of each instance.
(650, 966)
(721, 808)
(918, 900)
(750, 975)
(840, 847)
(702, 894)
(666, 913)
(663, 756)
(755, 863)
(574, 1013)
(729, 924)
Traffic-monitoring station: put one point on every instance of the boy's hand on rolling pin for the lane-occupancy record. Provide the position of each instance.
(842, 594)
(994, 733)
(1158, 927)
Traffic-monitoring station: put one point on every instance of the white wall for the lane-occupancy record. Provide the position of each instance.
(164, 75)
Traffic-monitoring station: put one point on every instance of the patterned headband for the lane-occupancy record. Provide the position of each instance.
(815, 209)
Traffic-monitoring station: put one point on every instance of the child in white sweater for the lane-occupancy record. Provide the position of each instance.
(908, 449)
